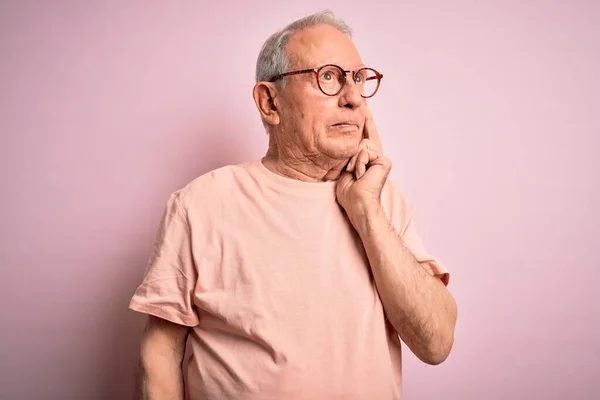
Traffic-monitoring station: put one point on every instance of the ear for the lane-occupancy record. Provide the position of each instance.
(266, 100)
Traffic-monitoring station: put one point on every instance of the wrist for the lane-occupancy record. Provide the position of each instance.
(365, 216)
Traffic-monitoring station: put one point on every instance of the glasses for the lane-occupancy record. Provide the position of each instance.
(331, 79)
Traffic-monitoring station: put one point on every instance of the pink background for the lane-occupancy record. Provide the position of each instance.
(489, 111)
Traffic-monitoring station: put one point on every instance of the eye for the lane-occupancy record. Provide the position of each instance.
(327, 75)
(359, 78)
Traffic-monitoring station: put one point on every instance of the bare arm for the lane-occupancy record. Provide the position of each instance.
(417, 304)
(160, 374)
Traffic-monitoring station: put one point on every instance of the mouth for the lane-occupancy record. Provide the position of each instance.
(345, 124)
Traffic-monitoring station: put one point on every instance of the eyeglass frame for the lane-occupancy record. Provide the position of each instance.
(317, 71)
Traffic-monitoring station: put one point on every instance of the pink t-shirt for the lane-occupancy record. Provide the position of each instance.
(275, 283)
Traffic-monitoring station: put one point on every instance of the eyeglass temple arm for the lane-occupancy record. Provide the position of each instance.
(378, 76)
(304, 71)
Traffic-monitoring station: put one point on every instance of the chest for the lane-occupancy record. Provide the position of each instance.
(272, 269)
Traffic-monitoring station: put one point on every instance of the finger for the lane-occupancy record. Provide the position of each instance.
(361, 162)
(368, 158)
(352, 162)
(364, 143)
(345, 179)
(370, 131)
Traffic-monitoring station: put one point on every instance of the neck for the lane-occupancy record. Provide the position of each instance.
(311, 168)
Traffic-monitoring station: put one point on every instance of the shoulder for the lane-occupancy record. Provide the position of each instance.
(212, 188)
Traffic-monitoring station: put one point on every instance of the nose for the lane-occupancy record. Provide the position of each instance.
(350, 95)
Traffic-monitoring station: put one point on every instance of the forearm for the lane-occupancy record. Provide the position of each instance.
(417, 304)
(159, 377)
(162, 351)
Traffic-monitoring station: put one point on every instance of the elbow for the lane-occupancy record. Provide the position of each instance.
(438, 348)
(435, 358)
(437, 351)
(434, 343)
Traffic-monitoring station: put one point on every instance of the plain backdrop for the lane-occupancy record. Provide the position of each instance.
(489, 111)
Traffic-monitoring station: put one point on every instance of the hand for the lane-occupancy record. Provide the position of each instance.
(360, 186)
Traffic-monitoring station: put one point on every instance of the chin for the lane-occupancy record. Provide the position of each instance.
(340, 148)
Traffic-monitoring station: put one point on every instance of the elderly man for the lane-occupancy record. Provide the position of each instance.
(296, 275)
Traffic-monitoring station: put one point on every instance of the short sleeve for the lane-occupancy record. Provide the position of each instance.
(401, 214)
(167, 289)
(413, 242)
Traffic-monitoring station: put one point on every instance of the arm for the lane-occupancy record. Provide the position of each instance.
(417, 304)
(162, 351)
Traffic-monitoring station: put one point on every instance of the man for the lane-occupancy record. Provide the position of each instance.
(296, 275)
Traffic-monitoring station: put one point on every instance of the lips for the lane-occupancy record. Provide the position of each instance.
(346, 124)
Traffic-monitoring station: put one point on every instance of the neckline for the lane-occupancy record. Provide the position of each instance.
(292, 186)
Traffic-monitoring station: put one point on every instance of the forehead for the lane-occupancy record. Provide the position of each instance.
(322, 44)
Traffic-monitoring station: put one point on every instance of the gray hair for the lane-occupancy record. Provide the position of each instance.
(273, 58)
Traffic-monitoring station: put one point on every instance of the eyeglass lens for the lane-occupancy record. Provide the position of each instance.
(331, 80)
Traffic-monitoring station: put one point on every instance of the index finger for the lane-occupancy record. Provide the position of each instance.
(370, 130)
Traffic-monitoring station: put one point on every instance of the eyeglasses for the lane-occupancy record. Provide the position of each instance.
(331, 79)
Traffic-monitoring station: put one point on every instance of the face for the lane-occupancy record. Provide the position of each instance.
(312, 123)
